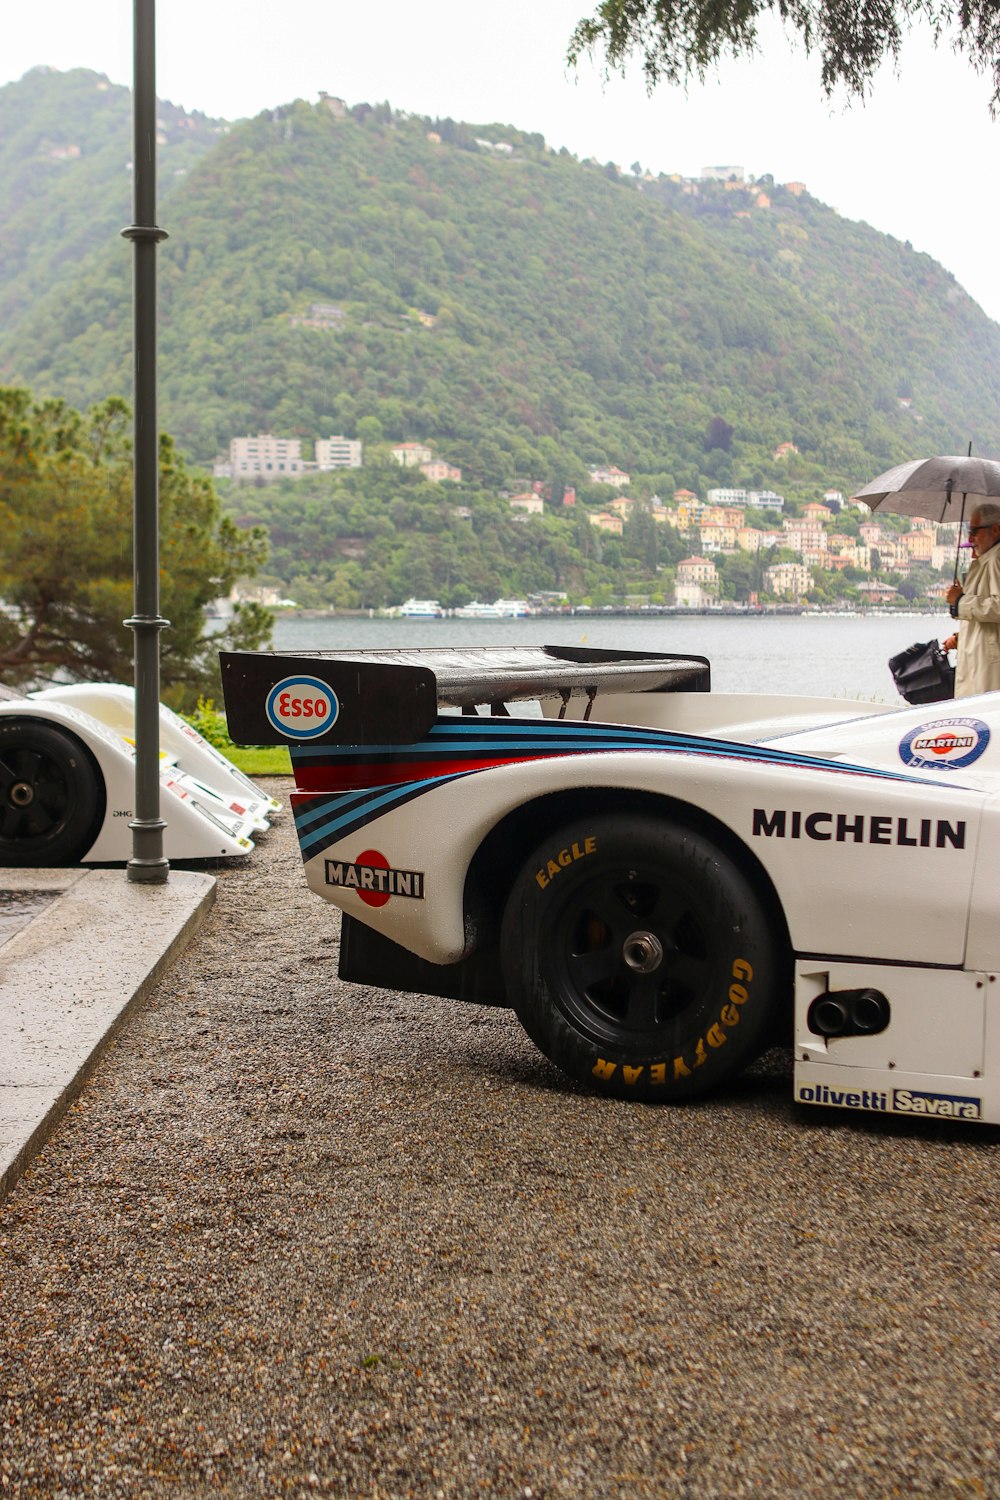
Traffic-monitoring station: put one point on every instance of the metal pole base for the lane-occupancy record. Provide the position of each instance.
(155, 869)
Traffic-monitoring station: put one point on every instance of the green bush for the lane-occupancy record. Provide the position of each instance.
(211, 723)
(253, 760)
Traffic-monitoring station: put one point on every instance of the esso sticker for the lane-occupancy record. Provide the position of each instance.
(301, 707)
(947, 744)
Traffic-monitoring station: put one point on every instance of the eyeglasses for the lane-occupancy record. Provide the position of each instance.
(988, 526)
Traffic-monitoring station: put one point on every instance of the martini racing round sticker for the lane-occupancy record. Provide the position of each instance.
(947, 744)
(301, 707)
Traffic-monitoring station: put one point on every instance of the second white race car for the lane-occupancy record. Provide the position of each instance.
(67, 778)
(661, 881)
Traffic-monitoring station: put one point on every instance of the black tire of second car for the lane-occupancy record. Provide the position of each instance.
(640, 958)
(51, 795)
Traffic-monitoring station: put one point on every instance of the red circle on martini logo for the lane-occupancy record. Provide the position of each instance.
(944, 744)
(376, 861)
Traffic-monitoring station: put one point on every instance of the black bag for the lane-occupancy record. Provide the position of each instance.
(923, 674)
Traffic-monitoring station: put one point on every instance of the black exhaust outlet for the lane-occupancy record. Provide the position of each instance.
(838, 1013)
(829, 1016)
(869, 1012)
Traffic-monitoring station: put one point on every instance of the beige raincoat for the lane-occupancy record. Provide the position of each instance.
(978, 666)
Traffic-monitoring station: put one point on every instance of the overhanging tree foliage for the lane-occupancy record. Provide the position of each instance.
(66, 553)
(681, 39)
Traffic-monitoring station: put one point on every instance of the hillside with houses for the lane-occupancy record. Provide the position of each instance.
(368, 535)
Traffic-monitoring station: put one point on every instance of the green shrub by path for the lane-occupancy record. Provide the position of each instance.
(253, 760)
(210, 722)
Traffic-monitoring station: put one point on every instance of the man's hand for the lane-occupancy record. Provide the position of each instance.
(955, 592)
(951, 644)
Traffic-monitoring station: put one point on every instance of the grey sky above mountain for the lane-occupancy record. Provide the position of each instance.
(916, 160)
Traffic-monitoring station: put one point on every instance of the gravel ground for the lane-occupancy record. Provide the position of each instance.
(302, 1238)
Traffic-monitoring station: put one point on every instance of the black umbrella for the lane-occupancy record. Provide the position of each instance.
(935, 488)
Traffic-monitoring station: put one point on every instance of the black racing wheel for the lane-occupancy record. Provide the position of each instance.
(52, 798)
(640, 959)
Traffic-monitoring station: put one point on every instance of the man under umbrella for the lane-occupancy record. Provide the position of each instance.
(976, 603)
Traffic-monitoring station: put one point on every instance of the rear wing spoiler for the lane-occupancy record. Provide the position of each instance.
(393, 697)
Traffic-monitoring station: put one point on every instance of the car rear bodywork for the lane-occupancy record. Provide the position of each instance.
(861, 838)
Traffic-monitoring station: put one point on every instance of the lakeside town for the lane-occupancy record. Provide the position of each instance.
(786, 547)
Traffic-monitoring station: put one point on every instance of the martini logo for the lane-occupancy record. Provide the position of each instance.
(374, 879)
(301, 707)
(947, 744)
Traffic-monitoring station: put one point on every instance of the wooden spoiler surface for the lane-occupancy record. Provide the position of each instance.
(392, 697)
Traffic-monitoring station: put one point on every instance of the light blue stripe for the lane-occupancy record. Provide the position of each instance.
(377, 804)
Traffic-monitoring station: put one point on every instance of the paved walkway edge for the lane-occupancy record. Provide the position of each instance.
(68, 980)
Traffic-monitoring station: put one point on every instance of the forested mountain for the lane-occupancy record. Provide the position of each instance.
(65, 178)
(524, 313)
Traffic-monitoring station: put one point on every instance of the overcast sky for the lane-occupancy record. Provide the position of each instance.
(918, 160)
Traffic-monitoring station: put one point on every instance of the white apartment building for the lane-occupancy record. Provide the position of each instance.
(265, 456)
(338, 453)
(760, 499)
(766, 500)
(728, 497)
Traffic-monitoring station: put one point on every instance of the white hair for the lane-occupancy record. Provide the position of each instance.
(988, 513)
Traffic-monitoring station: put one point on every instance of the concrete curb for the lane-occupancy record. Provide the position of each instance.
(69, 979)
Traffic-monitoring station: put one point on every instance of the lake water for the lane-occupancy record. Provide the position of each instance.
(836, 656)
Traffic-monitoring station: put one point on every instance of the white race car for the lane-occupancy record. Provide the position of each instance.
(67, 782)
(661, 881)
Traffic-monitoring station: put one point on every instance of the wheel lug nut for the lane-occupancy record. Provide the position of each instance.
(643, 952)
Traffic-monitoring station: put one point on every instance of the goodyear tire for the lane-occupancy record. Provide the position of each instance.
(51, 795)
(639, 958)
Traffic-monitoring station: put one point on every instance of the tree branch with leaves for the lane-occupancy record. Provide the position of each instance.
(680, 40)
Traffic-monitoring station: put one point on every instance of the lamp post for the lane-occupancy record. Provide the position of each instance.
(147, 864)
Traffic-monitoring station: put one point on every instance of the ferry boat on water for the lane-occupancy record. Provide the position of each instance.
(477, 611)
(500, 609)
(421, 609)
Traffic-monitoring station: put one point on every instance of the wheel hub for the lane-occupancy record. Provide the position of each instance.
(642, 952)
(22, 794)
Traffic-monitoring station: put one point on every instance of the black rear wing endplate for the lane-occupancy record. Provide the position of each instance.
(391, 697)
